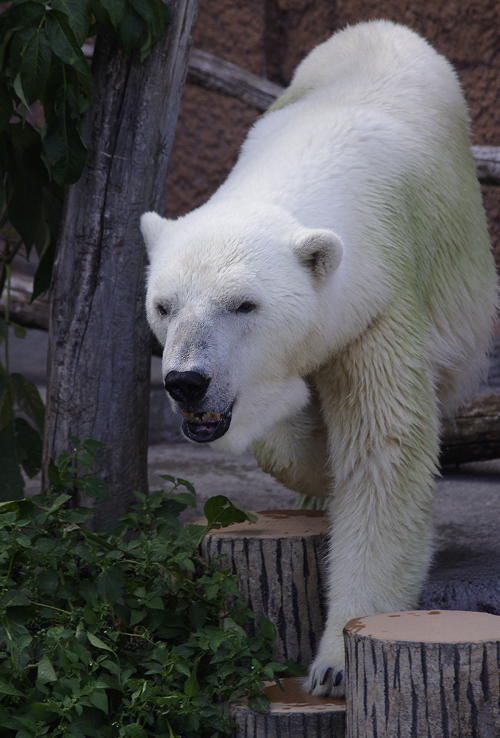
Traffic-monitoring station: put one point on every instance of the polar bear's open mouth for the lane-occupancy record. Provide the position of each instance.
(206, 427)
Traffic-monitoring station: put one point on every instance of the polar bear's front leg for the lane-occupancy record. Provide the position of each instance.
(382, 419)
(295, 451)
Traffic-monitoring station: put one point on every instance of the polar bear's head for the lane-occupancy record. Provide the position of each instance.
(236, 303)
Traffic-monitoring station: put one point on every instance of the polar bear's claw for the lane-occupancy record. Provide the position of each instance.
(324, 680)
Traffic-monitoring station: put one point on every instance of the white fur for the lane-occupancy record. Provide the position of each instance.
(353, 221)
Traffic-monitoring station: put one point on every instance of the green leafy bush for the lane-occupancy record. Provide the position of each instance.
(126, 633)
(41, 60)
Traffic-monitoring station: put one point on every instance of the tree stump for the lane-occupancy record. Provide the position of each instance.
(423, 673)
(279, 559)
(293, 714)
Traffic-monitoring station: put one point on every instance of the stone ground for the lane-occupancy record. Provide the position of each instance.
(466, 510)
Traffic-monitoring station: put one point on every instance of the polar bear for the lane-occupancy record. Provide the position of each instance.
(332, 301)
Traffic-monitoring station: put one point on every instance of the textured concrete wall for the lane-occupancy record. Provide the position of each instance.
(270, 37)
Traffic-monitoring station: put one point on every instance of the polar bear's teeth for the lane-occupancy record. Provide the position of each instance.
(202, 418)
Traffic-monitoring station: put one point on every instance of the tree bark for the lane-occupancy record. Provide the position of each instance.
(99, 342)
(280, 560)
(423, 673)
(292, 714)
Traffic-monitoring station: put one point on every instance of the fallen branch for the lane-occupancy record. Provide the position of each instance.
(487, 159)
(474, 435)
(29, 315)
(214, 73)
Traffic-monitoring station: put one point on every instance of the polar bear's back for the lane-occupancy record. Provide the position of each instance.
(378, 62)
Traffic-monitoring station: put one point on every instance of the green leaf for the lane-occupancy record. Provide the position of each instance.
(48, 581)
(99, 699)
(64, 43)
(260, 704)
(111, 584)
(25, 201)
(8, 689)
(132, 28)
(149, 11)
(46, 672)
(63, 149)
(267, 628)
(78, 17)
(114, 10)
(43, 274)
(95, 641)
(11, 480)
(156, 603)
(6, 107)
(185, 498)
(191, 685)
(23, 14)
(220, 511)
(30, 58)
(186, 484)
(30, 447)
(28, 399)
(92, 486)
(133, 731)
(54, 475)
(59, 502)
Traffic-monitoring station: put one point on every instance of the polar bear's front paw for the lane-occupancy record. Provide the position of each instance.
(325, 679)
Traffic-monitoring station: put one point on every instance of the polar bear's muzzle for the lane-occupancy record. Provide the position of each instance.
(188, 390)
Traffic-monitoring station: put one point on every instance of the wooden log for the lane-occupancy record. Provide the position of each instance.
(474, 435)
(280, 562)
(293, 714)
(214, 73)
(423, 673)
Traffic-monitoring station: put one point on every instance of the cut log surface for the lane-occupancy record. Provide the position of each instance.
(293, 714)
(280, 561)
(423, 673)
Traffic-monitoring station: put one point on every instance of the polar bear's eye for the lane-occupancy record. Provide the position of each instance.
(162, 309)
(246, 307)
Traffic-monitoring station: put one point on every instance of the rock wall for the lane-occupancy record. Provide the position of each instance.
(270, 37)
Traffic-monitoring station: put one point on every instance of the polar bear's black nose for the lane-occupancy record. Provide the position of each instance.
(186, 386)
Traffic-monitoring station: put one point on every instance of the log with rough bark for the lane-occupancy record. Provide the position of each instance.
(99, 340)
(292, 714)
(474, 435)
(279, 560)
(423, 673)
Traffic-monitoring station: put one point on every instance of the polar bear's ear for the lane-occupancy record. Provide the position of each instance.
(153, 227)
(319, 250)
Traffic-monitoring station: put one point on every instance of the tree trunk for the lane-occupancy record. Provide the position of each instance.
(280, 563)
(99, 344)
(292, 714)
(423, 673)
